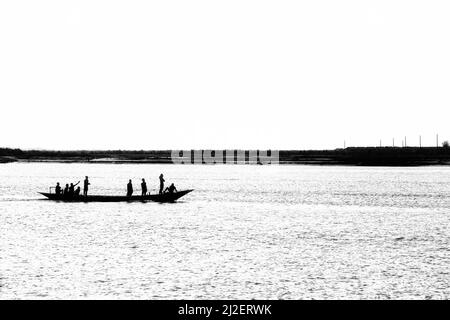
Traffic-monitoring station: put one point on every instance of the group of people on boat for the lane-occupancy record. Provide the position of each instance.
(70, 191)
(170, 189)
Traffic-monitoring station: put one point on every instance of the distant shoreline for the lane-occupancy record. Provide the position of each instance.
(355, 156)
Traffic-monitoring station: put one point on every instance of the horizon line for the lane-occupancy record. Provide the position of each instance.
(212, 149)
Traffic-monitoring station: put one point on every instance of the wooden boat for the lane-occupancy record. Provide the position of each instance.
(164, 197)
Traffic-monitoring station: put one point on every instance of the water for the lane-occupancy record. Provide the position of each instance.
(256, 232)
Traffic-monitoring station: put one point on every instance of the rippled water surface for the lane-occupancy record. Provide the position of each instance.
(263, 232)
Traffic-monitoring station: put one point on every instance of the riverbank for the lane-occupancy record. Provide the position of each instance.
(358, 156)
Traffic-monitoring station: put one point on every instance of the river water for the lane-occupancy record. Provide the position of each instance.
(248, 232)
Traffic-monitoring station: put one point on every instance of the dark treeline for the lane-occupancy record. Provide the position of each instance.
(369, 156)
(161, 156)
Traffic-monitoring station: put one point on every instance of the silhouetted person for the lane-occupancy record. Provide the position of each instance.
(129, 189)
(171, 189)
(77, 191)
(86, 186)
(144, 187)
(66, 190)
(58, 189)
(161, 183)
(72, 188)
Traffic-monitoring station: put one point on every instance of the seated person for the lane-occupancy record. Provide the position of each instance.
(72, 189)
(171, 189)
(77, 191)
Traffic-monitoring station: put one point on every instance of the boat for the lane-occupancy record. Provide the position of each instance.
(164, 197)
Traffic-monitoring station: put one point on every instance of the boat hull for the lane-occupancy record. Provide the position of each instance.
(165, 197)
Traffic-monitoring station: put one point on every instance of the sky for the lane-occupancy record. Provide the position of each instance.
(223, 74)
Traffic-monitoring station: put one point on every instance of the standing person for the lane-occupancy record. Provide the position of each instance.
(144, 187)
(161, 183)
(58, 189)
(129, 189)
(86, 186)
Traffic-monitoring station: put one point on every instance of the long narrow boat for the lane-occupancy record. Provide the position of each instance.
(164, 197)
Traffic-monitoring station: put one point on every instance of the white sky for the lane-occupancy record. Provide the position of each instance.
(223, 74)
